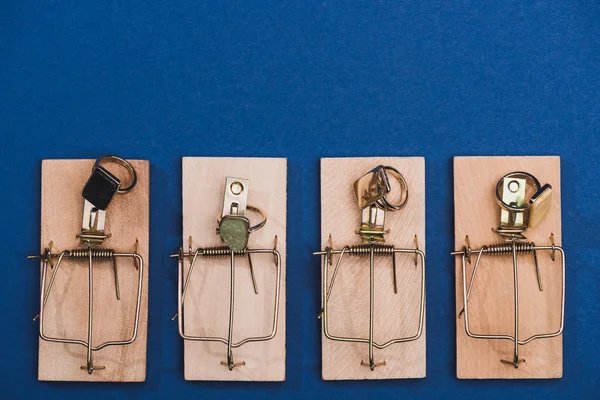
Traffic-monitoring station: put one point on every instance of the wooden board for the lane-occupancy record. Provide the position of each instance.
(66, 315)
(207, 301)
(396, 315)
(491, 304)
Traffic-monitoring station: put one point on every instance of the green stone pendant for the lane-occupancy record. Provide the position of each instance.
(233, 230)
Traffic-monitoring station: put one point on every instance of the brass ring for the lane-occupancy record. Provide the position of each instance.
(124, 163)
(262, 214)
(528, 177)
(255, 209)
(386, 205)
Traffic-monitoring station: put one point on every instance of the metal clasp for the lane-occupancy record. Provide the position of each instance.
(97, 193)
(516, 212)
(371, 190)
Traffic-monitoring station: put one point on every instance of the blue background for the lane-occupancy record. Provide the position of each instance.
(161, 80)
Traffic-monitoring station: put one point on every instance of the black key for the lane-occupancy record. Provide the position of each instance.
(101, 188)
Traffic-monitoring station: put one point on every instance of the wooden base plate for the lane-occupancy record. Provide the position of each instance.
(396, 315)
(207, 301)
(491, 306)
(66, 312)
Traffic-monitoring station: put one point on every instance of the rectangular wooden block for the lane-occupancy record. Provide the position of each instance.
(66, 312)
(491, 305)
(207, 300)
(396, 315)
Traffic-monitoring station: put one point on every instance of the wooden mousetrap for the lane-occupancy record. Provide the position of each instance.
(231, 267)
(94, 270)
(373, 268)
(510, 271)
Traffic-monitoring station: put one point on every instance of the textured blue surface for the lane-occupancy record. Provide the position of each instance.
(160, 80)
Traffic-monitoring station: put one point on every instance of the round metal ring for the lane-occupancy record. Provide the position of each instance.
(262, 214)
(518, 174)
(383, 203)
(255, 209)
(124, 163)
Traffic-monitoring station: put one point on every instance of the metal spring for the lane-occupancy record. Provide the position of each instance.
(219, 251)
(365, 249)
(97, 254)
(506, 248)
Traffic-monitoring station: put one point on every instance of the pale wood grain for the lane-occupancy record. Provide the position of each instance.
(127, 219)
(396, 315)
(207, 301)
(491, 303)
